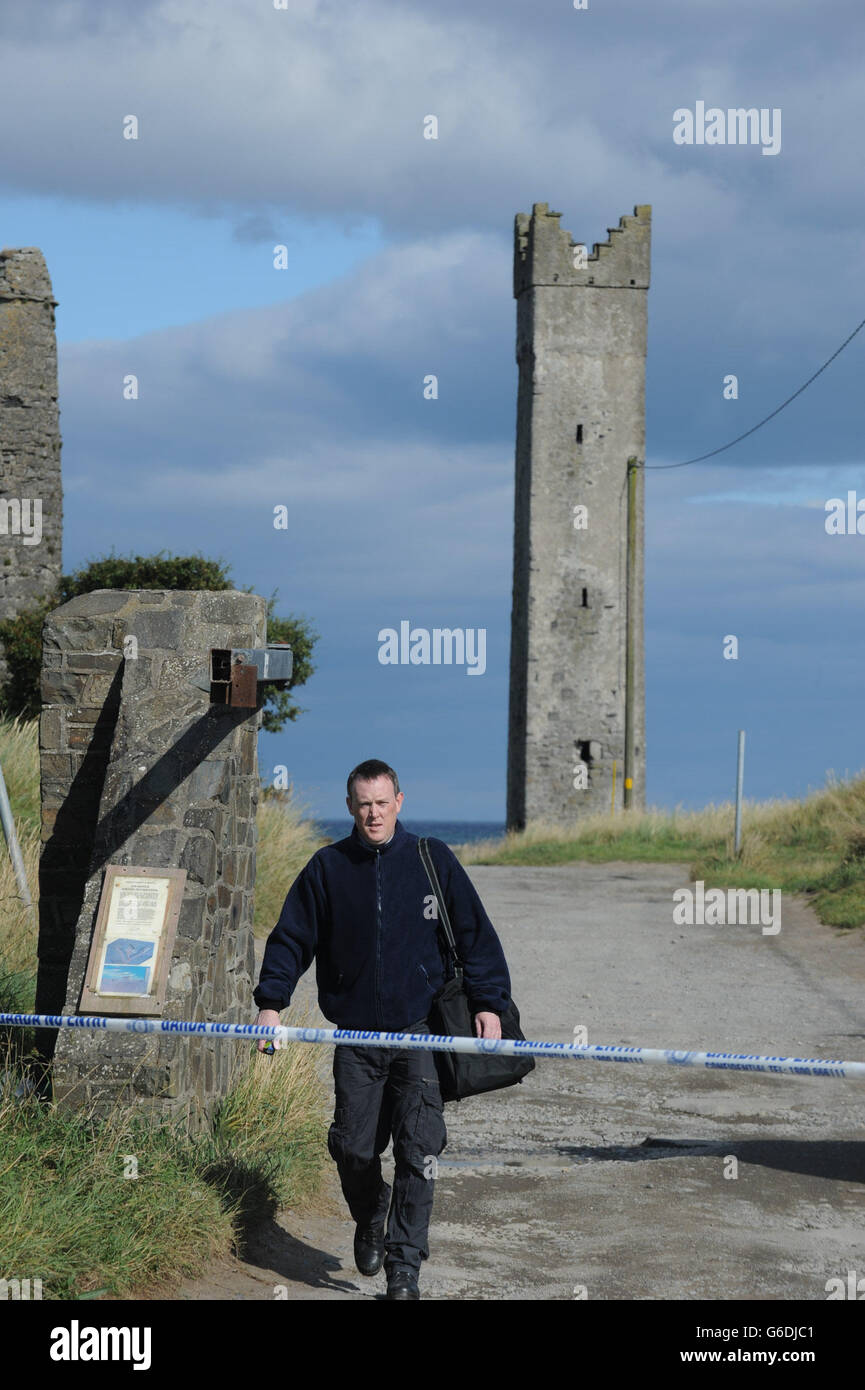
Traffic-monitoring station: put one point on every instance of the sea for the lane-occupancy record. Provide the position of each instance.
(453, 832)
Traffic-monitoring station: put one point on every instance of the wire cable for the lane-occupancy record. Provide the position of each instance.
(767, 418)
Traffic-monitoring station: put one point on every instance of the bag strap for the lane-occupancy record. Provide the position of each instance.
(444, 920)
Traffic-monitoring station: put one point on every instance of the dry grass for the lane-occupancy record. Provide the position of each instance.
(286, 840)
(18, 924)
(814, 846)
(19, 758)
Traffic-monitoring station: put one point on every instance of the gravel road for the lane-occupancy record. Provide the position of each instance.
(614, 1182)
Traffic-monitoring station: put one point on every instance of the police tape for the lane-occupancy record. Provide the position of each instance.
(433, 1042)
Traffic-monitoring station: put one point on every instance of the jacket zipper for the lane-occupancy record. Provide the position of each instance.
(378, 1014)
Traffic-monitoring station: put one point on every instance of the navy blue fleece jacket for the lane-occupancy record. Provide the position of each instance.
(366, 915)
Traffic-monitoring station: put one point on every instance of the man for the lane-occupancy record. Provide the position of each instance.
(365, 909)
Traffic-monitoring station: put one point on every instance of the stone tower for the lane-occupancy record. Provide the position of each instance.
(30, 489)
(581, 352)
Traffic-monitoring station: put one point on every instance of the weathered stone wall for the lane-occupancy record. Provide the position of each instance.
(30, 486)
(581, 351)
(139, 768)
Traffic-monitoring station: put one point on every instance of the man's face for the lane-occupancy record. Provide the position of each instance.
(375, 808)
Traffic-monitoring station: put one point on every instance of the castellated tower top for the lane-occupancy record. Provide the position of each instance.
(544, 253)
(24, 274)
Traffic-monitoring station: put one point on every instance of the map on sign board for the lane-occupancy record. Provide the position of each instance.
(136, 914)
(133, 940)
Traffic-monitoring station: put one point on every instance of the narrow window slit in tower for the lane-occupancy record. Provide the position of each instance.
(585, 602)
(579, 434)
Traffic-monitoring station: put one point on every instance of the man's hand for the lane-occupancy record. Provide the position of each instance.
(268, 1018)
(488, 1025)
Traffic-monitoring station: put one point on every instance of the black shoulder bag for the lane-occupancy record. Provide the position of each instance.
(467, 1073)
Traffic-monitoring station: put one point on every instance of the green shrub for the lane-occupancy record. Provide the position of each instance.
(21, 637)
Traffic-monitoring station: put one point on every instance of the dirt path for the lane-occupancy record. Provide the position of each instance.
(618, 1181)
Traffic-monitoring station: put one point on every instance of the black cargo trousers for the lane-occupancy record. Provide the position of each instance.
(384, 1093)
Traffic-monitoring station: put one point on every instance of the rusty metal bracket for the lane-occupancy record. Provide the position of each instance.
(237, 674)
(243, 691)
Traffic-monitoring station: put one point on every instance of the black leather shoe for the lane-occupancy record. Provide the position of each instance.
(402, 1283)
(369, 1248)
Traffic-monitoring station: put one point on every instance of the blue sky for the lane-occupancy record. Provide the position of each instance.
(303, 386)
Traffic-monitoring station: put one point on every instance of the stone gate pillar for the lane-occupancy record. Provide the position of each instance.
(140, 768)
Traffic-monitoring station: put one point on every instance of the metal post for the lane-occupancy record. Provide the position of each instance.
(630, 581)
(12, 843)
(613, 797)
(740, 777)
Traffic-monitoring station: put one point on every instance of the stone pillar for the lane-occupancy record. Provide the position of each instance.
(31, 501)
(581, 351)
(138, 767)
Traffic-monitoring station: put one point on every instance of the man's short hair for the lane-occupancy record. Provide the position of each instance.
(368, 772)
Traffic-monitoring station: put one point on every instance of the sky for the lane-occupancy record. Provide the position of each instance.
(302, 385)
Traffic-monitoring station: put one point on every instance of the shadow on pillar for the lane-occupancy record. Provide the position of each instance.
(64, 870)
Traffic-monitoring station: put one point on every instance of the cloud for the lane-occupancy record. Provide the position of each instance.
(260, 116)
(319, 108)
(317, 405)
